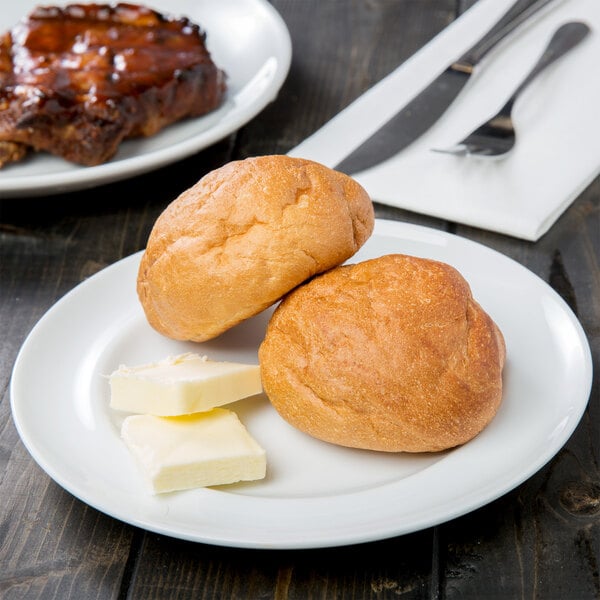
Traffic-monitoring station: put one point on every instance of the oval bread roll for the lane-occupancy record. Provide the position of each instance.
(389, 354)
(242, 237)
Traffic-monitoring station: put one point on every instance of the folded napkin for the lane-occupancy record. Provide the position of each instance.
(557, 120)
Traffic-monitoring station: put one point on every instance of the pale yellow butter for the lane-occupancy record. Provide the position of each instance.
(182, 385)
(199, 450)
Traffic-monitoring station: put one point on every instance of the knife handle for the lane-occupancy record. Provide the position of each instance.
(515, 16)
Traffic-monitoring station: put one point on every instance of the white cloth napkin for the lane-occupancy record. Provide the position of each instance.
(557, 121)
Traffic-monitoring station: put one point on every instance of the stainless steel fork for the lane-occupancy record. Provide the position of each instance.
(497, 135)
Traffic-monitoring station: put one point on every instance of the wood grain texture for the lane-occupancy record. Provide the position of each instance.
(540, 541)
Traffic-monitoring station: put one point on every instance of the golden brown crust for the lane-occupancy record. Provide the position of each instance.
(242, 237)
(389, 354)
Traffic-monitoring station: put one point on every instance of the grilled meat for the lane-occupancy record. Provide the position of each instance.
(77, 80)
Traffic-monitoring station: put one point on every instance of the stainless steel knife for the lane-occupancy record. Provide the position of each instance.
(416, 117)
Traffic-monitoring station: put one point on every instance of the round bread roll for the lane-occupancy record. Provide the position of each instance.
(389, 354)
(242, 237)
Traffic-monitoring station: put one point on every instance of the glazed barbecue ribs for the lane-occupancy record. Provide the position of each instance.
(77, 80)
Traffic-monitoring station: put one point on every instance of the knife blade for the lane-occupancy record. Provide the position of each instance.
(419, 115)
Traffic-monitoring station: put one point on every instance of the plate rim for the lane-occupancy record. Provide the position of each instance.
(385, 228)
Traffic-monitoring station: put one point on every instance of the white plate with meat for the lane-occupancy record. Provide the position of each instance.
(247, 39)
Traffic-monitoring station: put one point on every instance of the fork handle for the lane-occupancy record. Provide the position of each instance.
(564, 39)
(520, 11)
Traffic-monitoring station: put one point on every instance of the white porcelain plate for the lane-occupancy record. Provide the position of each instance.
(315, 494)
(246, 38)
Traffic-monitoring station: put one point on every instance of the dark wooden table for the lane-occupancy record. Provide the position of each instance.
(541, 540)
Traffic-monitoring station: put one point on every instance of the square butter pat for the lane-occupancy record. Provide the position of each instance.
(199, 450)
(182, 385)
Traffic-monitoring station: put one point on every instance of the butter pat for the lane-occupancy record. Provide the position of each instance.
(182, 385)
(199, 450)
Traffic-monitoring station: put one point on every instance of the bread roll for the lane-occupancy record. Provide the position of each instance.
(242, 237)
(390, 354)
